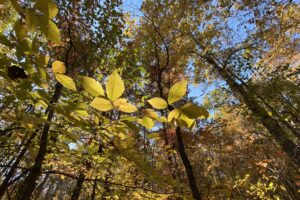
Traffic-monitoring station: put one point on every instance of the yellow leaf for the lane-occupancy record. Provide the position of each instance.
(101, 104)
(174, 114)
(50, 30)
(48, 7)
(31, 20)
(147, 122)
(66, 81)
(177, 91)
(158, 103)
(151, 113)
(128, 108)
(58, 67)
(187, 122)
(20, 29)
(122, 105)
(193, 111)
(92, 86)
(114, 86)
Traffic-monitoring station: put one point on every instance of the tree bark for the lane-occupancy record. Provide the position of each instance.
(28, 185)
(281, 137)
(187, 165)
(77, 189)
(5, 184)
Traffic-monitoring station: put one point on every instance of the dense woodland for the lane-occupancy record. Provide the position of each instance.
(181, 99)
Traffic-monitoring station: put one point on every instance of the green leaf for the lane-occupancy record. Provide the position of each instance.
(147, 122)
(48, 7)
(102, 104)
(92, 86)
(177, 91)
(193, 111)
(31, 20)
(158, 103)
(21, 30)
(30, 119)
(114, 86)
(66, 81)
(58, 67)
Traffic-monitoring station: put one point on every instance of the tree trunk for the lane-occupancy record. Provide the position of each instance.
(188, 167)
(28, 185)
(93, 196)
(76, 191)
(281, 137)
(5, 184)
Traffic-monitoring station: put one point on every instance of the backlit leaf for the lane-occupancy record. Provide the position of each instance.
(20, 29)
(92, 86)
(193, 111)
(177, 91)
(158, 103)
(58, 67)
(48, 7)
(114, 86)
(174, 114)
(66, 81)
(102, 104)
(147, 122)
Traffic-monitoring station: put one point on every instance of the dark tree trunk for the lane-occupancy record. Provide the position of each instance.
(28, 185)
(5, 184)
(281, 137)
(187, 165)
(77, 189)
(93, 196)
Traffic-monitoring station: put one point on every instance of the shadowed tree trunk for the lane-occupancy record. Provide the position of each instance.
(77, 189)
(28, 185)
(5, 184)
(187, 165)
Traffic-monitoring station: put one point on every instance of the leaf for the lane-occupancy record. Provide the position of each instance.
(193, 111)
(128, 108)
(58, 67)
(21, 30)
(92, 86)
(66, 81)
(153, 135)
(102, 104)
(177, 91)
(151, 113)
(31, 20)
(174, 114)
(50, 30)
(158, 103)
(186, 121)
(147, 122)
(122, 105)
(48, 7)
(30, 119)
(114, 86)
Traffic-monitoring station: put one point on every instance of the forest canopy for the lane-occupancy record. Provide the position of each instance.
(153, 99)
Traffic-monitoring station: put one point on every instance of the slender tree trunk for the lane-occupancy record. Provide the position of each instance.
(28, 185)
(41, 187)
(288, 146)
(77, 189)
(188, 167)
(5, 184)
(93, 196)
